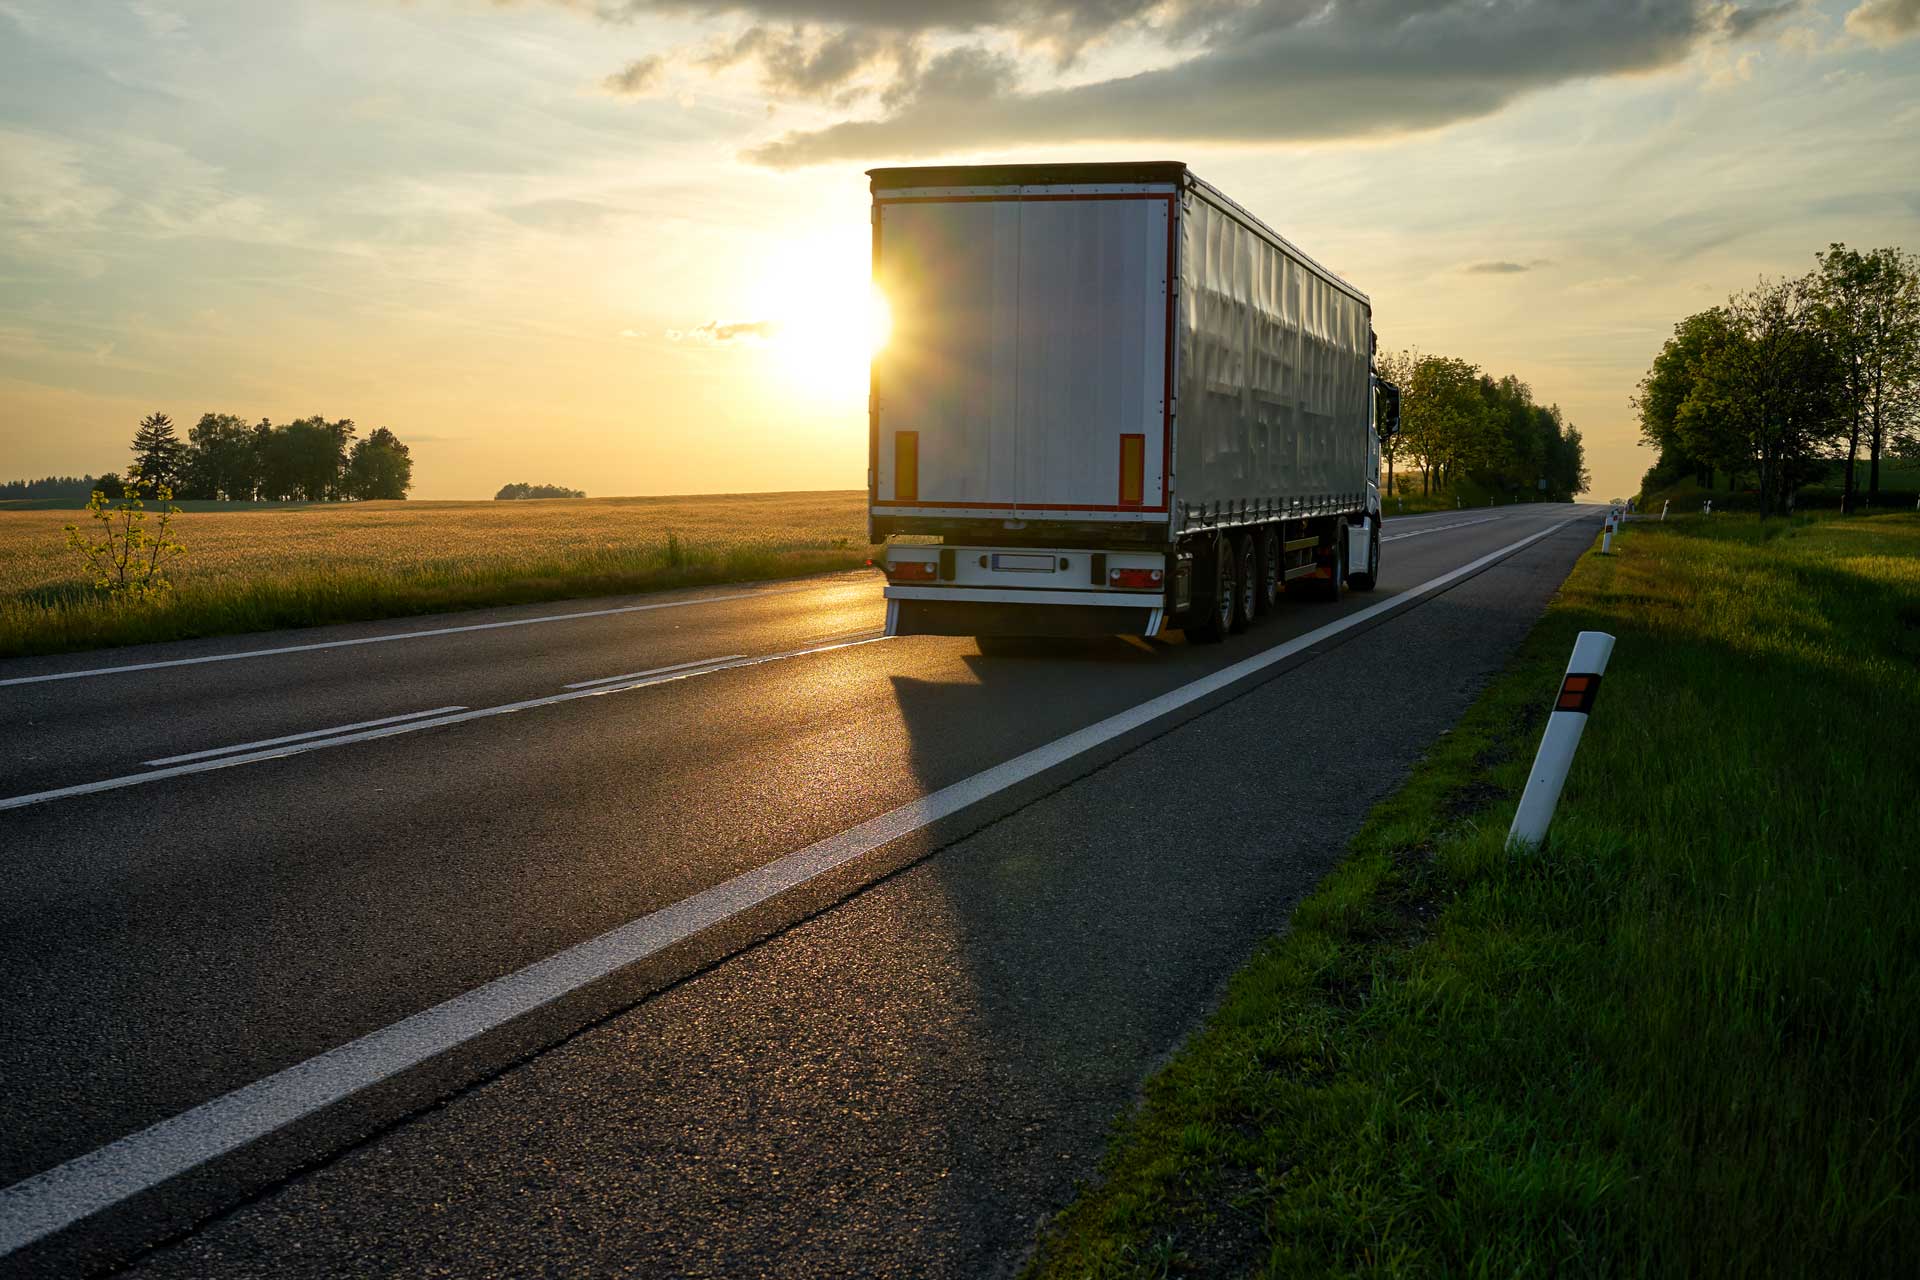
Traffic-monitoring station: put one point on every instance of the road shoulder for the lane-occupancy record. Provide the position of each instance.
(1635, 1049)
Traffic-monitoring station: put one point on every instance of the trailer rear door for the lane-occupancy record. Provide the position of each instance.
(1027, 371)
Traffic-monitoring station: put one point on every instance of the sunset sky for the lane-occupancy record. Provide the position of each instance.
(622, 245)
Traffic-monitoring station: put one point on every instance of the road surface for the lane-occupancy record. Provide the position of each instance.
(693, 934)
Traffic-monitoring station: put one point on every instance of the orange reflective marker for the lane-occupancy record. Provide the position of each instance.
(1577, 693)
(1133, 470)
(906, 466)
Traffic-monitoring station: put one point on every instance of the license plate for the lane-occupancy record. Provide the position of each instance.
(1016, 563)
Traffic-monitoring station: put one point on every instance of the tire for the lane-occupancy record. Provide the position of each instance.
(1246, 596)
(1213, 612)
(1329, 588)
(1365, 580)
(1271, 580)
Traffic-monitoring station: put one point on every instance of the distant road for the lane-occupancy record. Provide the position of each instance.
(270, 896)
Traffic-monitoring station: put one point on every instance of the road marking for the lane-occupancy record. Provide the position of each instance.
(654, 671)
(1440, 528)
(298, 737)
(724, 664)
(36, 1207)
(402, 635)
(292, 748)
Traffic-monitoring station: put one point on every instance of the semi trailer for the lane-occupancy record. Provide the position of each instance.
(1112, 402)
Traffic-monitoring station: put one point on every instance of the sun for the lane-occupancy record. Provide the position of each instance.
(828, 319)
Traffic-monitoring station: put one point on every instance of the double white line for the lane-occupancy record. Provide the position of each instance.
(390, 726)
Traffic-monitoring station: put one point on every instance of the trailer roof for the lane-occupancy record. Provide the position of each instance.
(1018, 175)
(1173, 172)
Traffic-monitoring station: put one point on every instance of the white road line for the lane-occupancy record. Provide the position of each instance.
(1439, 528)
(652, 671)
(391, 730)
(299, 737)
(36, 1207)
(723, 664)
(402, 635)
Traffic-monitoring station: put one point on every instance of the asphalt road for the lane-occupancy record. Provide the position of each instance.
(893, 1067)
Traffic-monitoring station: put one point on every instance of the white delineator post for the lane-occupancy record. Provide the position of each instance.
(1606, 538)
(1557, 745)
(1663, 510)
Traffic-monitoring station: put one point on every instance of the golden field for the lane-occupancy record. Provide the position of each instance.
(255, 569)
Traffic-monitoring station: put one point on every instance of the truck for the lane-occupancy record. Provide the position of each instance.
(1112, 402)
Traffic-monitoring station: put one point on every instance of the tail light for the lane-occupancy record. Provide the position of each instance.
(1135, 579)
(912, 571)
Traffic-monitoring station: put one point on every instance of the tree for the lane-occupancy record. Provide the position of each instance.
(220, 460)
(1665, 389)
(314, 454)
(1869, 307)
(156, 450)
(1571, 476)
(1396, 367)
(380, 467)
(1444, 416)
(1766, 388)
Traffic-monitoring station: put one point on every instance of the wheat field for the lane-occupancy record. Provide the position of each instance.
(258, 569)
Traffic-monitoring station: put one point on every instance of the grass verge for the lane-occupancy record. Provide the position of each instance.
(295, 566)
(1681, 1039)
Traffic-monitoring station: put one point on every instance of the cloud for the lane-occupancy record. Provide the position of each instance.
(1737, 23)
(637, 77)
(1885, 21)
(1727, 74)
(1497, 268)
(1067, 24)
(808, 62)
(714, 331)
(1276, 71)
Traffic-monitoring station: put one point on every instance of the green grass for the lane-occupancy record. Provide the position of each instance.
(1682, 1039)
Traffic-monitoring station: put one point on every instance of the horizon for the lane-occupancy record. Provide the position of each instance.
(623, 246)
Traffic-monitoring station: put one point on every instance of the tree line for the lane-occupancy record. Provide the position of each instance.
(520, 489)
(58, 488)
(1457, 422)
(225, 457)
(1789, 375)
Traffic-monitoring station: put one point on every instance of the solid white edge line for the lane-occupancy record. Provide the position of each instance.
(298, 737)
(38, 1206)
(393, 730)
(403, 635)
(652, 671)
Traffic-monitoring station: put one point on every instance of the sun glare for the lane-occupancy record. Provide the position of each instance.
(828, 319)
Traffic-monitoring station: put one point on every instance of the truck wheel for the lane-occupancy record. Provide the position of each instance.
(1246, 600)
(1217, 602)
(1364, 580)
(1268, 541)
(1329, 588)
